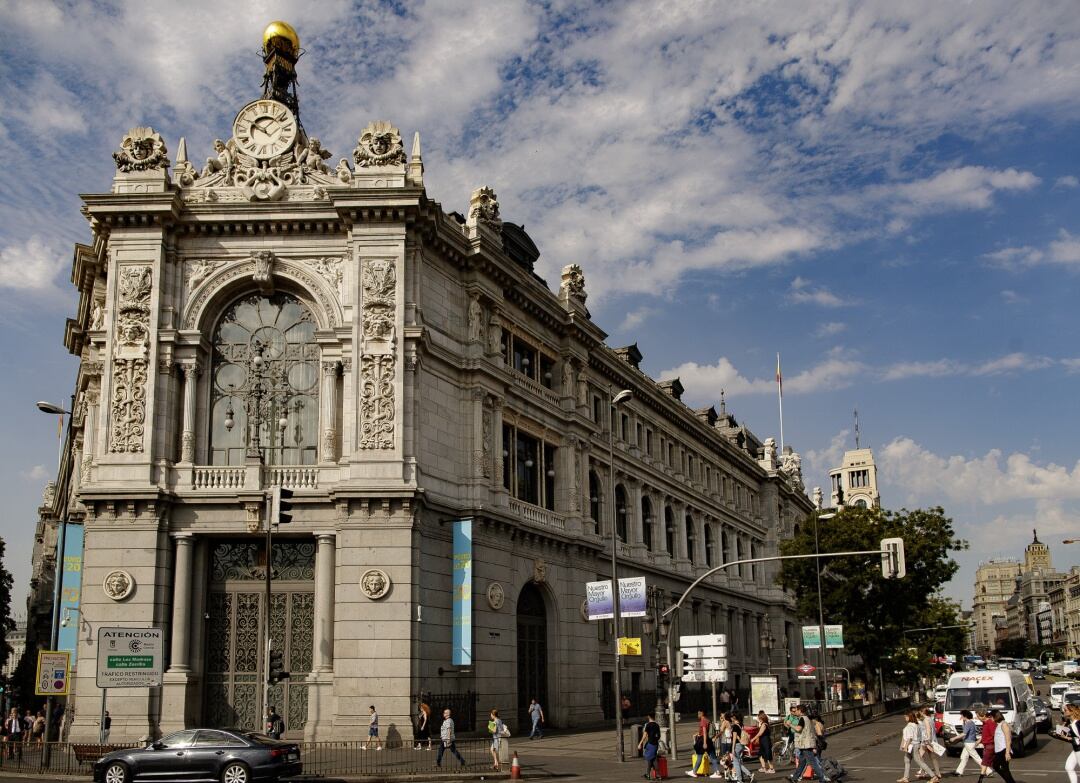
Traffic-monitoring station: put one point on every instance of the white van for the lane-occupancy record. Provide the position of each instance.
(1003, 690)
(1056, 689)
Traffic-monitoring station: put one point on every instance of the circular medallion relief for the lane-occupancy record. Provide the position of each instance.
(496, 596)
(375, 583)
(118, 585)
(585, 610)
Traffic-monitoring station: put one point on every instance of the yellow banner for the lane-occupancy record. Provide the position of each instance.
(629, 645)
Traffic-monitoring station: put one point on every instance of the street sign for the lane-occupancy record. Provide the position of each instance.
(52, 673)
(706, 640)
(629, 645)
(705, 676)
(807, 676)
(129, 657)
(705, 652)
(806, 668)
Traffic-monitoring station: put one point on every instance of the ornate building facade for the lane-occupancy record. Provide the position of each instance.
(274, 319)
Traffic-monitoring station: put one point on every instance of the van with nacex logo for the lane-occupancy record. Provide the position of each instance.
(994, 690)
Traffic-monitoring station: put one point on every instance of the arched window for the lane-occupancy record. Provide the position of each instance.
(594, 500)
(689, 522)
(265, 369)
(620, 512)
(646, 523)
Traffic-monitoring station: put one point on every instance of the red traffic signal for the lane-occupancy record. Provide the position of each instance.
(663, 669)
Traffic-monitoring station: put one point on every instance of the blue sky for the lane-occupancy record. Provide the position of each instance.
(885, 193)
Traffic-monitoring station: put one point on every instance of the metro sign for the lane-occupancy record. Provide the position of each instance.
(806, 668)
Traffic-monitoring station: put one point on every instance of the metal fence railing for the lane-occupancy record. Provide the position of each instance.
(353, 757)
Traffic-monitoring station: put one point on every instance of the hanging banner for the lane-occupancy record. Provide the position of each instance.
(463, 588)
(811, 636)
(632, 596)
(601, 603)
(834, 637)
(70, 586)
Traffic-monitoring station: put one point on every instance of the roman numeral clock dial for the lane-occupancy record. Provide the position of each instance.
(264, 129)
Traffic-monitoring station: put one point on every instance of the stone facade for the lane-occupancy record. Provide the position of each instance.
(995, 581)
(425, 373)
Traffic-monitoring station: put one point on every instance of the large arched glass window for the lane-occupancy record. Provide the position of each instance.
(281, 387)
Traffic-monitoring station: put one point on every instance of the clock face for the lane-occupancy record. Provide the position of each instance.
(264, 129)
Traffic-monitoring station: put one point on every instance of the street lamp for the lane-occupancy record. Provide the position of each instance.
(656, 626)
(820, 605)
(615, 401)
(62, 480)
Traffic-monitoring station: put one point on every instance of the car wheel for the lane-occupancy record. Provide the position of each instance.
(117, 772)
(235, 772)
(1034, 738)
(1019, 748)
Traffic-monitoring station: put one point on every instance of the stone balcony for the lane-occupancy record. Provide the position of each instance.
(224, 479)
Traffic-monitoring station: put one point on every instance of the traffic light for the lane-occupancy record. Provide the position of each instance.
(662, 673)
(280, 506)
(676, 688)
(892, 558)
(277, 671)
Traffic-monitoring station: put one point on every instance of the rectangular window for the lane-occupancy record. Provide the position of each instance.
(525, 359)
(547, 372)
(648, 442)
(597, 409)
(637, 437)
(529, 468)
(624, 427)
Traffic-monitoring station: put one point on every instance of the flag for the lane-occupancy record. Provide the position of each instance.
(779, 379)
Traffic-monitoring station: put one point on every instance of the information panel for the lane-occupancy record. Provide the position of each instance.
(462, 584)
(52, 673)
(129, 657)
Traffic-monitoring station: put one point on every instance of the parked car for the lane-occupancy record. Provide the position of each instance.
(1071, 697)
(939, 715)
(1057, 689)
(226, 755)
(1044, 721)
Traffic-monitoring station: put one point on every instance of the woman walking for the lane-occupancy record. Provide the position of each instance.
(497, 728)
(986, 736)
(763, 740)
(929, 738)
(1072, 732)
(910, 741)
(423, 726)
(1002, 746)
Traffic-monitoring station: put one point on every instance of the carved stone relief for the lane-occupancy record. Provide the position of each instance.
(379, 145)
(375, 583)
(377, 401)
(330, 268)
(485, 456)
(539, 571)
(118, 585)
(142, 149)
(380, 290)
(484, 208)
(573, 282)
(197, 270)
(496, 596)
(128, 408)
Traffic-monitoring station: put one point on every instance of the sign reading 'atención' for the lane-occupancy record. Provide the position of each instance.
(129, 657)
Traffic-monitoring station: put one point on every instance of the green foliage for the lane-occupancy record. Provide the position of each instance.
(873, 610)
(7, 625)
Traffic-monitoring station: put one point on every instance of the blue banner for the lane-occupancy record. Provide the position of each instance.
(70, 587)
(462, 586)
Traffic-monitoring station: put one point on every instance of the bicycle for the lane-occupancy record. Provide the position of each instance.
(783, 751)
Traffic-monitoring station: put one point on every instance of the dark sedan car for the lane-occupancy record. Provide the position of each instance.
(1043, 719)
(225, 755)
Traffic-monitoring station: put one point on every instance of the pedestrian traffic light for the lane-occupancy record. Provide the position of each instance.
(892, 558)
(662, 672)
(676, 688)
(281, 506)
(276, 670)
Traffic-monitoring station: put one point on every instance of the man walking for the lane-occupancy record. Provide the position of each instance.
(970, 739)
(448, 739)
(536, 712)
(106, 727)
(275, 726)
(373, 730)
(710, 747)
(650, 746)
(806, 742)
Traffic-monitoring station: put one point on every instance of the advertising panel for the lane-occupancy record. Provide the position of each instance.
(70, 585)
(632, 600)
(463, 588)
(601, 603)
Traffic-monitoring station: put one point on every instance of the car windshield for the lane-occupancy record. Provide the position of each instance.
(970, 698)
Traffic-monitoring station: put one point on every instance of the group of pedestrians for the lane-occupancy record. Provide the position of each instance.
(920, 747)
(19, 731)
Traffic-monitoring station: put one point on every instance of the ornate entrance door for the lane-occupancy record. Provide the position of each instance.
(236, 634)
(532, 652)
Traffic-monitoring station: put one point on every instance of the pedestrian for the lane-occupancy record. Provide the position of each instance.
(928, 740)
(699, 762)
(1071, 732)
(986, 736)
(763, 740)
(725, 733)
(373, 730)
(536, 712)
(806, 742)
(39, 728)
(710, 746)
(13, 733)
(423, 726)
(447, 739)
(106, 727)
(725, 700)
(1002, 746)
(650, 745)
(909, 745)
(739, 740)
(970, 738)
(790, 721)
(496, 729)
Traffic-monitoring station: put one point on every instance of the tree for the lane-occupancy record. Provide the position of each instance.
(7, 625)
(874, 610)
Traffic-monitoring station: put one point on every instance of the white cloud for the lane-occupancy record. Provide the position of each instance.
(830, 329)
(36, 473)
(1072, 366)
(941, 368)
(704, 382)
(1068, 181)
(802, 292)
(992, 478)
(636, 318)
(33, 264)
(821, 461)
(1008, 296)
(1063, 251)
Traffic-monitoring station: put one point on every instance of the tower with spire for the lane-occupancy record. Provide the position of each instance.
(1037, 554)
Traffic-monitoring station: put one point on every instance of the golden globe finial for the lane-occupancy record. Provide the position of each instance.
(281, 29)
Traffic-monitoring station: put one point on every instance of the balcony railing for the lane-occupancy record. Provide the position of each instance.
(232, 478)
(537, 516)
(293, 477)
(217, 477)
(525, 382)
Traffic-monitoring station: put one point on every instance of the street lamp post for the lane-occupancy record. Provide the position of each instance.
(616, 400)
(656, 627)
(821, 607)
(767, 641)
(62, 481)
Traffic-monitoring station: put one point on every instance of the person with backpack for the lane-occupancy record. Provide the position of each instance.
(275, 726)
(650, 745)
(806, 742)
(739, 740)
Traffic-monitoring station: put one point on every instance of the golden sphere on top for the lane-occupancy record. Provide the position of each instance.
(281, 29)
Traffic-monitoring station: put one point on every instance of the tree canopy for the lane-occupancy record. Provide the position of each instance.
(876, 611)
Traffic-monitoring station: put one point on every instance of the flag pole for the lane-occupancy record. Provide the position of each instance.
(780, 397)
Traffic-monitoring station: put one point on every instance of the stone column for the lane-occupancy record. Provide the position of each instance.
(329, 410)
(500, 493)
(323, 658)
(187, 438)
(634, 521)
(181, 610)
(481, 445)
(321, 699)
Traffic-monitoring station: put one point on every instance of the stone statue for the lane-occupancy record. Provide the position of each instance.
(494, 334)
(484, 208)
(791, 463)
(97, 315)
(582, 388)
(343, 172)
(476, 320)
(264, 266)
(567, 378)
(311, 158)
(142, 149)
(768, 458)
(819, 498)
(573, 282)
(222, 162)
(379, 145)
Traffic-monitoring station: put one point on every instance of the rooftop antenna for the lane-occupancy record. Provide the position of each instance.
(856, 428)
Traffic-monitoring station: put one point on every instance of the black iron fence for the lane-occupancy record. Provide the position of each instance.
(56, 758)
(461, 705)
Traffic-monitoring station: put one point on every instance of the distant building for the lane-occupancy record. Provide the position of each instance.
(1065, 606)
(16, 639)
(854, 483)
(995, 581)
